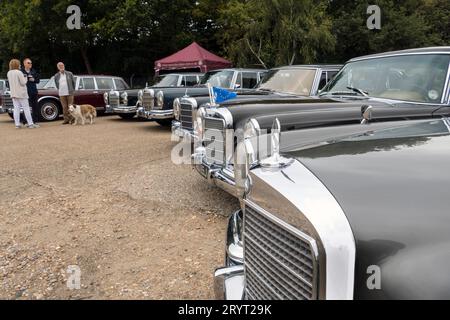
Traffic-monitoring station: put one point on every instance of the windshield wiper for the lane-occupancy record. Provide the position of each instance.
(360, 91)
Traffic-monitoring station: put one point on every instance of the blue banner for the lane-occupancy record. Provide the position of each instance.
(221, 95)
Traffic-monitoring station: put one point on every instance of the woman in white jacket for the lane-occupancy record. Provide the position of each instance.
(19, 94)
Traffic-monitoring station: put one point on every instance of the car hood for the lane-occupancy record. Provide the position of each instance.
(394, 193)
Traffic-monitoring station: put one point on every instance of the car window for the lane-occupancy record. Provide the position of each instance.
(105, 83)
(414, 78)
(51, 84)
(296, 81)
(120, 84)
(170, 80)
(323, 80)
(221, 79)
(191, 81)
(2, 86)
(249, 80)
(87, 84)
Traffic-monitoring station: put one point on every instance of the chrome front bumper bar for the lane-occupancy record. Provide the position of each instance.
(215, 175)
(121, 109)
(183, 134)
(229, 281)
(155, 114)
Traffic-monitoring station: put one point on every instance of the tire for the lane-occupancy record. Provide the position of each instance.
(127, 116)
(165, 122)
(49, 110)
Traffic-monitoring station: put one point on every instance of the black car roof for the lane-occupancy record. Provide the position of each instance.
(429, 50)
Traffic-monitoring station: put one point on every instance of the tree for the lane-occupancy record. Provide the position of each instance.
(275, 32)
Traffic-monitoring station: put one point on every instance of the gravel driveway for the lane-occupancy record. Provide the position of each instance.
(108, 199)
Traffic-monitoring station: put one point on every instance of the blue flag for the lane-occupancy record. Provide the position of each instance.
(221, 95)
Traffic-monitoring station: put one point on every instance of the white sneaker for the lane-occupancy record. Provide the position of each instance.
(33, 126)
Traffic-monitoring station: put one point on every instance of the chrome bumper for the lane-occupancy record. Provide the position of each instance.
(121, 109)
(183, 134)
(155, 114)
(229, 281)
(215, 175)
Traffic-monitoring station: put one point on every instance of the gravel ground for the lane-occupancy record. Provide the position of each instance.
(106, 198)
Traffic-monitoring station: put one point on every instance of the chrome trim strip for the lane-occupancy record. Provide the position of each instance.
(48, 97)
(399, 54)
(305, 191)
(446, 92)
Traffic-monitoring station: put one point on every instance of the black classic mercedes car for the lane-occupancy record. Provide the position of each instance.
(288, 81)
(125, 103)
(361, 214)
(411, 84)
(166, 98)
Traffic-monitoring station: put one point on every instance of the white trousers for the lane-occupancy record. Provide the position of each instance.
(24, 104)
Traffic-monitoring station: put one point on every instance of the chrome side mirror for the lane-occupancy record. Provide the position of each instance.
(366, 114)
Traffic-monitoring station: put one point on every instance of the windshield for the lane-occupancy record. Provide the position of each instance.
(220, 79)
(50, 84)
(414, 78)
(296, 81)
(170, 80)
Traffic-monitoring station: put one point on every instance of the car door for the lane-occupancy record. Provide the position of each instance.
(86, 91)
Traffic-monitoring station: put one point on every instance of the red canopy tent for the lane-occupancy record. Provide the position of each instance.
(192, 57)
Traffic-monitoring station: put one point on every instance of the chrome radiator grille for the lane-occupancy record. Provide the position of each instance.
(114, 100)
(186, 116)
(7, 102)
(148, 101)
(280, 263)
(215, 141)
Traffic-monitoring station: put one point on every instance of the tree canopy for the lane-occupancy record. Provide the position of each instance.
(125, 37)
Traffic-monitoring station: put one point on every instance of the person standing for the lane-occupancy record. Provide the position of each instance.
(19, 93)
(33, 81)
(65, 83)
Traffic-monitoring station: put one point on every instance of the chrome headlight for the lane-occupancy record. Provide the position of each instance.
(198, 122)
(124, 97)
(177, 108)
(106, 97)
(140, 96)
(160, 99)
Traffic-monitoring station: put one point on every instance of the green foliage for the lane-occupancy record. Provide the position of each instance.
(125, 37)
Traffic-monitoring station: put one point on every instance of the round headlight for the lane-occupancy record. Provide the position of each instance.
(140, 95)
(160, 99)
(124, 97)
(106, 97)
(198, 122)
(252, 129)
(177, 108)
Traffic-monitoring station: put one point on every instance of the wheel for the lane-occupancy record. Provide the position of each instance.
(127, 116)
(164, 122)
(49, 111)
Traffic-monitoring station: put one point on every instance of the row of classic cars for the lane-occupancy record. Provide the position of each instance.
(89, 89)
(159, 102)
(349, 200)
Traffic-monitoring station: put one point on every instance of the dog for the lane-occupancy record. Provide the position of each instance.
(81, 113)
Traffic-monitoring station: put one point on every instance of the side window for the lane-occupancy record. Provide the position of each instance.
(331, 75)
(191, 81)
(81, 84)
(88, 83)
(120, 84)
(249, 80)
(323, 80)
(105, 83)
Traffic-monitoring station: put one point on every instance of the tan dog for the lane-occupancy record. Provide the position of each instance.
(81, 113)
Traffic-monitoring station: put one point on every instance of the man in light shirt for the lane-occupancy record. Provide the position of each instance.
(65, 83)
